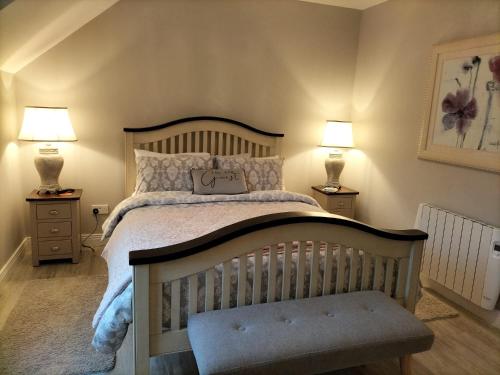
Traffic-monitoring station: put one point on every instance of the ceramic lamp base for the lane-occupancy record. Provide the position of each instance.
(334, 166)
(49, 168)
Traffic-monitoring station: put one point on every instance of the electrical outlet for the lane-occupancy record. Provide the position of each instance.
(103, 209)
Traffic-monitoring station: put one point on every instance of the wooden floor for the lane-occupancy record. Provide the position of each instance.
(463, 345)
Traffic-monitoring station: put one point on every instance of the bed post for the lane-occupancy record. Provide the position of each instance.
(140, 308)
(412, 280)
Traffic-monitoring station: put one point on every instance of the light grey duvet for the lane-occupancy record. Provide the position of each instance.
(151, 220)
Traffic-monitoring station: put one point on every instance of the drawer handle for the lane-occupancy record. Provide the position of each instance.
(54, 230)
(54, 248)
(54, 212)
(341, 204)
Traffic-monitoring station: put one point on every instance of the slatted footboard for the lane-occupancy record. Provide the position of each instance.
(265, 259)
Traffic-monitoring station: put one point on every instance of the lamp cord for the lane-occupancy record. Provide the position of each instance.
(88, 236)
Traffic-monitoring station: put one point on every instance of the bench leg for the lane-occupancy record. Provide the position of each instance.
(405, 364)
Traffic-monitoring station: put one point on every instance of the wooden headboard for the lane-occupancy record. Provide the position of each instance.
(215, 135)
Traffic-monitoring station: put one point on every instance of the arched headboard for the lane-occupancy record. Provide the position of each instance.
(215, 135)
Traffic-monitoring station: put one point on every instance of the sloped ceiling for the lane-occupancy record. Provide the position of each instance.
(354, 4)
(24, 37)
(4, 3)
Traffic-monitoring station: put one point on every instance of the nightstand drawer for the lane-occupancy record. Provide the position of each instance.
(339, 203)
(342, 202)
(55, 247)
(51, 229)
(55, 226)
(53, 211)
(342, 212)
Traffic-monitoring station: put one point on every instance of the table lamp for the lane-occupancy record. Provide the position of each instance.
(337, 136)
(47, 124)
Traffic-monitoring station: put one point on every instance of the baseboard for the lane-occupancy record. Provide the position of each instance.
(25, 244)
(490, 317)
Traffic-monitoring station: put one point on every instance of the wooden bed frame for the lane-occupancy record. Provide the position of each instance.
(215, 135)
(385, 260)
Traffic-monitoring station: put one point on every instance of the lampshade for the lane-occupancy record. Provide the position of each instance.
(46, 124)
(337, 134)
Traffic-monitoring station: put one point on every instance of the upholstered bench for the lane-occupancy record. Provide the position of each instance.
(306, 336)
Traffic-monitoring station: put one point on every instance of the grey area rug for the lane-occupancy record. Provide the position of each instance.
(49, 331)
(430, 308)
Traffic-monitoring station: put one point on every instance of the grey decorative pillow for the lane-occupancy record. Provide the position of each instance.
(261, 173)
(167, 172)
(219, 181)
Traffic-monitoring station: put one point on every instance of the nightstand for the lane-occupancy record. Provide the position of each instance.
(55, 226)
(342, 202)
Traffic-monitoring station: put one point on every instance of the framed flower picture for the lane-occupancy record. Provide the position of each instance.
(461, 123)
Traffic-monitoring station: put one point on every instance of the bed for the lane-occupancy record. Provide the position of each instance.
(172, 254)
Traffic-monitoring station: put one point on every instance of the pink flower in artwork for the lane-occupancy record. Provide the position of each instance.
(460, 111)
(494, 64)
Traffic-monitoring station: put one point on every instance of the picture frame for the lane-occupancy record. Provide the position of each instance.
(461, 122)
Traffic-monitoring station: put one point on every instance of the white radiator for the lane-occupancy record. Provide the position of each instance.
(461, 254)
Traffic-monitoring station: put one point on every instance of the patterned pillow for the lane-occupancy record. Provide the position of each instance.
(260, 173)
(238, 159)
(167, 172)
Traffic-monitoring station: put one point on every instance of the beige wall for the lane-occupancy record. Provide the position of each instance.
(278, 65)
(395, 45)
(12, 204)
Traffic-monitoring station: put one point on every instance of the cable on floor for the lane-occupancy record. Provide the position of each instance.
(83, 243)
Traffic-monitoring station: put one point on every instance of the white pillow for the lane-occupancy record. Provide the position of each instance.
(261, 173)
(168, 172)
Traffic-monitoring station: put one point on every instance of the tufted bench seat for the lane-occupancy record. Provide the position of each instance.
(306, 336)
